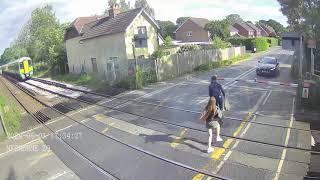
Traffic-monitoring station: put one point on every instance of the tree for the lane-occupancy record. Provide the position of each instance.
(278, 27)
(303, 15)
(167, 28)
(218, 29)
(144, 4)
(125, 6)
(181, 20)
(233, 18)
(41, 38)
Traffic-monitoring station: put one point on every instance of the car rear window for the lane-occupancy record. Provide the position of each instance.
(268, 61)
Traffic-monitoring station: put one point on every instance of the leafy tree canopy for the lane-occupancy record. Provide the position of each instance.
(167, 28)
(232, 18)
(303, 15)
(219, 29)
(180, 20)
(144, 4)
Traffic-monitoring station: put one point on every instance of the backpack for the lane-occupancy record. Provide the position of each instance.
(215, 89)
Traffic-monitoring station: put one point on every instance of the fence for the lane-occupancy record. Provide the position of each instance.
(178, 64)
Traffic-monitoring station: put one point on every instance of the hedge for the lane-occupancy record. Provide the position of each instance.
(273, 41)
(242, 42)
(261, 44)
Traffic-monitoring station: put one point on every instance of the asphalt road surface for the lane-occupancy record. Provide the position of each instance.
(162, 137)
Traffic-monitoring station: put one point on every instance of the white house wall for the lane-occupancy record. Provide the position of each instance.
(102, 48)
(152, 38)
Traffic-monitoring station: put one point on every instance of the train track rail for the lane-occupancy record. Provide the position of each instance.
(168, 123)
(111, 138)
(60, 85)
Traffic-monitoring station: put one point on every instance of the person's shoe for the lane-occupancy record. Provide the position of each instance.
(210, 150)
(219, 139)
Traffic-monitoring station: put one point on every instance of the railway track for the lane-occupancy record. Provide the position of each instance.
(60, 85)
(168, 123)
(41, 119)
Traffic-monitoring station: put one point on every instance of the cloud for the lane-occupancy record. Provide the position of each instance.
(14, 14)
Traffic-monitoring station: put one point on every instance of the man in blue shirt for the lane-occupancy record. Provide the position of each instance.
(216, 91)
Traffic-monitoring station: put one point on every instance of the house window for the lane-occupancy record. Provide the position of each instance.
(142, 30)
(94, 65)
(189, 33)
(141, 43)
(292, 42)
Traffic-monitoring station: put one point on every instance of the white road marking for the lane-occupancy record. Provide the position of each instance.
(265, 101)
(284, 152)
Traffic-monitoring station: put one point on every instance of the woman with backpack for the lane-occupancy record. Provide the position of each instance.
(210, 115)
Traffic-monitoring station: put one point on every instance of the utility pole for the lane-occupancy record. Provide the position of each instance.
(135, 64)
(301, 56)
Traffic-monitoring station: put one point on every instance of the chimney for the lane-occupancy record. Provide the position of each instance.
(114, 10)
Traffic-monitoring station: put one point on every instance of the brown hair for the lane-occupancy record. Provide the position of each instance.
(210, 108)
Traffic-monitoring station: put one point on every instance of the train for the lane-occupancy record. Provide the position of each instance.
(21, 69)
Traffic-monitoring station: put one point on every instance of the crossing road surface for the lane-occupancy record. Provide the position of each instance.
(163, 138)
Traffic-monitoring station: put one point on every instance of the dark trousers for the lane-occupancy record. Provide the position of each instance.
(219, 100)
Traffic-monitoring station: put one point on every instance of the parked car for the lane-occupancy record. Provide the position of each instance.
(268, 66)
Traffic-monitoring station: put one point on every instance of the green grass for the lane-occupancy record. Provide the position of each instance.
(218, 64)
(12, 117)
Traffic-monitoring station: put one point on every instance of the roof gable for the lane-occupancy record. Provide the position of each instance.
(245, 26)
(201, 22)
(118, 24)
(252, 26)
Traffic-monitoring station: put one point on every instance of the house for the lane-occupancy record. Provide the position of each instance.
(233, 31)
(257, 31)
(109, 44)
(244, 29)
(264, 33)
(193, 31)
(291, 40)
(271, 32)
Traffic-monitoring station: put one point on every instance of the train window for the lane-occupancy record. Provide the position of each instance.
(21, 66)
(30, 62)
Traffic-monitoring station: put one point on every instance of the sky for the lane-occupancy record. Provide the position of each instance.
(15, 13)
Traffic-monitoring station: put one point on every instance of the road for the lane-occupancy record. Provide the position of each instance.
(160, 130)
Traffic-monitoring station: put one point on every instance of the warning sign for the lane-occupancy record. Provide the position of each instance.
(305, 93)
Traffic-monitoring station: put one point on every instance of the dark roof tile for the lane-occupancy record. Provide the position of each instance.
(202, 22)
(107, 25)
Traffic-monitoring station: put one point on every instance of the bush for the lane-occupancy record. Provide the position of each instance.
(168, 41)
(158, 54)
(218, 43)
(247, 42)
(261, 44)
(186, 48)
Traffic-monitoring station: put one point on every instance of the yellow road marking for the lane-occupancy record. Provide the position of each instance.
(218, 152)
(177, 140)
(106, 129)
(99, 116)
